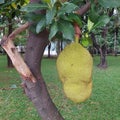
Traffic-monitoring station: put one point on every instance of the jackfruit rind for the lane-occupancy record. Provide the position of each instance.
(74, 66)
(74, 63)
(77, 92)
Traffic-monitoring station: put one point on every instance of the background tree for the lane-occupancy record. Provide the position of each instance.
(101, 20)
(10, 13)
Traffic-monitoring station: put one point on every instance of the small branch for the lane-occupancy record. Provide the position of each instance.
(83, 9)
(17, 60)
(19, 30)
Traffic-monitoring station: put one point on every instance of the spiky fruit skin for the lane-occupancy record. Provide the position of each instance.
(74, 66)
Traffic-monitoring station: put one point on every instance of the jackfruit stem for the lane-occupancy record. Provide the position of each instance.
(77, 32)
(77, 38)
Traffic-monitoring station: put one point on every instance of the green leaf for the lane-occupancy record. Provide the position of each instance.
(89, 25)
(50, 15)
(33, 28)
(109, 3)
(93, 14)
(67, 30)
(74, 18)
(67, 8)
(53, 30)
(86, 41)
(41, 25)
(32, 17)
(53, 2)
(102, 21)
(33, 7)
(76, 1)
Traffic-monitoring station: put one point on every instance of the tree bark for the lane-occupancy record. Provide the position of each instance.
(49, 47)
(38, 92)
(10, 29)
(9, 62)
(84, 8)
(102, 51)
(33, 83)
(115, 41)
(58, 46)
(103, 62)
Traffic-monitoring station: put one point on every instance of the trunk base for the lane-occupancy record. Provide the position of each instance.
(102, 66)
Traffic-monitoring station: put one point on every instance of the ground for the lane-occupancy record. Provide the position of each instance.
(102, 105)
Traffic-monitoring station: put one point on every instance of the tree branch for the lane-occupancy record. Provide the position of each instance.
(18, 30)
(17, 60)
(83, 9)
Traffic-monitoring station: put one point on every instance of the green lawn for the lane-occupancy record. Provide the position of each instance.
(104, 104)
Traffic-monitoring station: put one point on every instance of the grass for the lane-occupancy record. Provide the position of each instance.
(104, 104)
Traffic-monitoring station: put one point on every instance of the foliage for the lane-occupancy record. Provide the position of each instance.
(21, 38)
(99, 16)
(11, 8)
(9, 14)
(59, 18)
(113, 23)
(99, 13)
(110, 3)
(106, 93)
(86, 40)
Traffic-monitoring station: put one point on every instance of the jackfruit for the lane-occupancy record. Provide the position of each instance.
(77, 92)
(74, 65)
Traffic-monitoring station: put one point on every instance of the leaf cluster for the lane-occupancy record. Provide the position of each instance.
(57, 17)
(9, 9)
(102, 12)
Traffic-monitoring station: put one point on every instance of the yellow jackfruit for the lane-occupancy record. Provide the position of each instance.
(74, 66)
(78, 92)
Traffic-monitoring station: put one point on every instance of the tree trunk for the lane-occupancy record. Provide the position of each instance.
(115, 41)
(102, 50)
(103, 62)
(61, 45)
(38, 92)
(9, 62)
(58, 47)
(49, 47)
